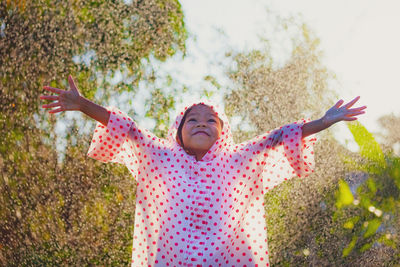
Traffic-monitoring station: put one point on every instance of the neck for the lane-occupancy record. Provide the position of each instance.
(197, 154)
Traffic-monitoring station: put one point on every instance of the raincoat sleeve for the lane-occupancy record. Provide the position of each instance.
(122, 141)
(294, 156)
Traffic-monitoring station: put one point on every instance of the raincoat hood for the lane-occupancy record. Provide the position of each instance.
(225, 140)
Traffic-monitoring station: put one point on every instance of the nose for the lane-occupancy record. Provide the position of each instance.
(201, 124)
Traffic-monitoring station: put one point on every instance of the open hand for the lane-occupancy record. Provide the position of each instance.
(65, 100)
(343, 113)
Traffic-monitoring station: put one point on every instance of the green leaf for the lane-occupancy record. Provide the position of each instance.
(395, 172)
(386, 239)
(369, 148)
(372, 227)
(213, 81)
(350, 223)
(349, 248)
(366, 247)
(371, 185)
(344, 196)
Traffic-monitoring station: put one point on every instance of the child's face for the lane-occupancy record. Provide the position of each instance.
(201, 129)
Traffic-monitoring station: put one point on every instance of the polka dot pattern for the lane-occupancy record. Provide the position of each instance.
(201, 213)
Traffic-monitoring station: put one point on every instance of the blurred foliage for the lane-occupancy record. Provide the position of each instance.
(40, 41)
(309, 221)
(70, 214)
(74, 212)
(272, 95)
(159, 107)
(343, 214)
(81, 212)
(266, 95)
(371, 219)
(391, 132)
(344, 196)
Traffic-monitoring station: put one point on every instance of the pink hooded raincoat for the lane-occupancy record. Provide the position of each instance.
(201, 213)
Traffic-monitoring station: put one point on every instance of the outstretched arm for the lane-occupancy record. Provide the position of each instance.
(72, 100)
(333, 115)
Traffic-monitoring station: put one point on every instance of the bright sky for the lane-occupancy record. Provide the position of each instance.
(360, 40)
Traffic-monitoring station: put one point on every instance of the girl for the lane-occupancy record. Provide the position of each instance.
(199, 199)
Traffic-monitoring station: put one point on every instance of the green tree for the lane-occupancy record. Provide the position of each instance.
(271, 95)
(391, 131)
(369, 214)
(76, 211)
(266, 95)
(39, 43)
(315, 221)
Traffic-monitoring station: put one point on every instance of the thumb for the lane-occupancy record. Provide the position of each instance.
(72, 83)
(339, 103)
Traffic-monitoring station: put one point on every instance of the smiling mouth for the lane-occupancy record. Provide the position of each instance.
(201, 132)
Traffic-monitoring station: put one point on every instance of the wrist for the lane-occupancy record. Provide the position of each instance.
(81, 103)
(326, 122)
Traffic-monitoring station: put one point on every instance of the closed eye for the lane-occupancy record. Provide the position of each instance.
(212, 120)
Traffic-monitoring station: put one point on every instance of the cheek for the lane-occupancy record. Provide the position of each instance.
(217, 132)
(185, 132)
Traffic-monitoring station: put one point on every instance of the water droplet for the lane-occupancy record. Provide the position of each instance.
(378, 212)
(306, 252)
(371, 208)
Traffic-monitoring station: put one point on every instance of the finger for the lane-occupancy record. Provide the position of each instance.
(350, 119)
(352, 102)
(72, 83)
(56, 110)
(54, 90)
(358, 112)
(354, 114)
(358, 109)
(49, 97)
(339, 103)
(52, 105)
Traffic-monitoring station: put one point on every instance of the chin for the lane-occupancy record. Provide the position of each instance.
(200, 147)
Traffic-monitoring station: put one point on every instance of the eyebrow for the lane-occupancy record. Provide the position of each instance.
(195, 113)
